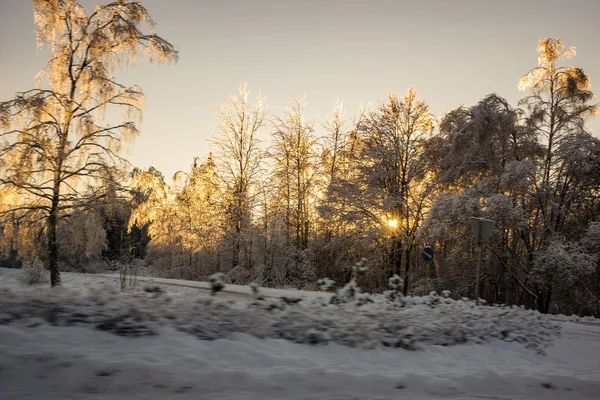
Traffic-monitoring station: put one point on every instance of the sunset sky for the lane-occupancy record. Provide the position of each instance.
(452, 52)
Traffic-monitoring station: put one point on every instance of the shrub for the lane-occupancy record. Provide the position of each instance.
(33, 273)
(216, 283)
(95, 267)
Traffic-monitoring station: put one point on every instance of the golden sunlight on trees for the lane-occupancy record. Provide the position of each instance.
(155, 194)
(238, 157)
(295, 168)
(335, 159)
(391, 171)
(54, 142)
(392, 223)
(558, 107)
(200, 208)
(184, 221)
(288, 200)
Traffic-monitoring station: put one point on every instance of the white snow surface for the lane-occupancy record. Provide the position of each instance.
(61, 344)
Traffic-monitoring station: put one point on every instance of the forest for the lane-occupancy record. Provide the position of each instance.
(285, 200)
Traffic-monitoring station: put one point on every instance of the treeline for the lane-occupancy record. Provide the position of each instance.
(284, 200)
(323, 194)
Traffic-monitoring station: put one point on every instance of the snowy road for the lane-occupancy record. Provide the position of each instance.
(79, 363)
(234, 292)
(231, 291)
(201, 287)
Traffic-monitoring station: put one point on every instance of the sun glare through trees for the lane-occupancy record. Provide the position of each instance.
(296, 199)
(284, 199)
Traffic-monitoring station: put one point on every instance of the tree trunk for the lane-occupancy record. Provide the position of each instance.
(548, 297)
(543, 300)
(396, 258)
(406, 270)
(53, 245)
(235, 256)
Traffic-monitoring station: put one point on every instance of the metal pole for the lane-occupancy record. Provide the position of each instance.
(426, 278)
(477, 278)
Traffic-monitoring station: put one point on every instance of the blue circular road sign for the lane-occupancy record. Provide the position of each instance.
(427, 254)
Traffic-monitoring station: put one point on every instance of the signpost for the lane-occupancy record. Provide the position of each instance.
(481, 229)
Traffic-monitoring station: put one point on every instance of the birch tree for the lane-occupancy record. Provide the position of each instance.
(559, 105)
(54, 141)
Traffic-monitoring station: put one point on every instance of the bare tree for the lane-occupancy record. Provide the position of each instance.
(330, 249)
(238, 158)
(295, 155)
(53, 142)
(391, 170)
(336, 142)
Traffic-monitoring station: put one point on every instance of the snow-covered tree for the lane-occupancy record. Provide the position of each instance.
(295, 159)
(238, 158)
(559, 105)
(535, 174)
(54, 142)
(158, 213)
(199, 202)
(386, 188)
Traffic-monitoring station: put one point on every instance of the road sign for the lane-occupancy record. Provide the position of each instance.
(427, 254)
(481, 228)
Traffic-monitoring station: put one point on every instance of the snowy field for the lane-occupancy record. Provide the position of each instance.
(88, 340)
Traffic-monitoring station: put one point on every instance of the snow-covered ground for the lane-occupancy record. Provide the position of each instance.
(176, 286)
(61, 344)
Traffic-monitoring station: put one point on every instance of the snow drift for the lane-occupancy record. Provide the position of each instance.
(378, 323)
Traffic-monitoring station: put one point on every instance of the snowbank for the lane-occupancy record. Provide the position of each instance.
(427, 320)
(574, 318)
(89, 340)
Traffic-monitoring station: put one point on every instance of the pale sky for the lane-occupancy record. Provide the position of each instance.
(454, 52)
